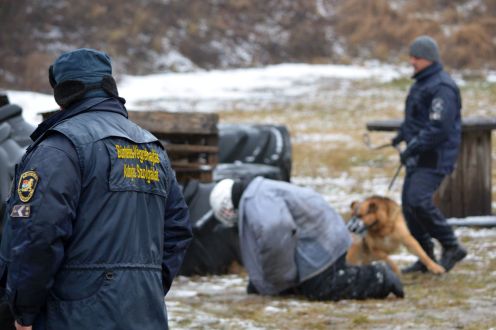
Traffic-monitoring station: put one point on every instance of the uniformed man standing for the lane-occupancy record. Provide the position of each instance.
(432, 131)
(97, 226)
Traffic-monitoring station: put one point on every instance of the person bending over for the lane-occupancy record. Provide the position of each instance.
(292, 241)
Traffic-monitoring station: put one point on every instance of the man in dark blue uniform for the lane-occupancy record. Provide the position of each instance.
(96, 226)
(432, 131)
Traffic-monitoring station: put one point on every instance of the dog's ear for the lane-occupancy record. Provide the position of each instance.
(372, 207)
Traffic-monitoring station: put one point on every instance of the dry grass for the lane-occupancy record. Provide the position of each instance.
(238, 33)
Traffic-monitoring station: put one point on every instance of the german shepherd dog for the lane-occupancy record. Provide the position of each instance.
(383, 229)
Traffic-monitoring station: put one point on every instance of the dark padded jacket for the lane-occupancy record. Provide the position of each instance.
(97, 226)
(432, 125)
(10, 154)
(12, 114)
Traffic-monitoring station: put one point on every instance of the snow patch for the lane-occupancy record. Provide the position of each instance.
(274, 310)
(218, 90)
(302, 138)
(208, 90)
(491, 76)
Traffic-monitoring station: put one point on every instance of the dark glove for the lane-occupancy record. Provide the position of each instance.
(396, 140)
(408, 160)
(404, 157)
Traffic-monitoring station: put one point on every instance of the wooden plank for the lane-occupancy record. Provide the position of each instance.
(184, 176)
(168, 122)
(184, 136)
(384, 125)
(468, 124)
(190, 148)
(213, 140)
(477, 181)
(477, 221)
(478, 123)
(180, 165)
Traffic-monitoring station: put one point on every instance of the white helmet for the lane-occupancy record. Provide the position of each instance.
(221, 202)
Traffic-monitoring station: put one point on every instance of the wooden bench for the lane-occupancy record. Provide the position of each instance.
(467, 191)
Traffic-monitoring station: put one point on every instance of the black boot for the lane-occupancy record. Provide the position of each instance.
(418, 266)
(250, 289)
(451, 255)
(392, 282)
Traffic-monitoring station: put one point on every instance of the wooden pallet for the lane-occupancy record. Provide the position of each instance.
(191, 140)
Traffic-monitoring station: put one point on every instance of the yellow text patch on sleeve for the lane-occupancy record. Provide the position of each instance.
(27, 185)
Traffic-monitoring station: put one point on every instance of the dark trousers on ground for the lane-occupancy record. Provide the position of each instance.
(343, 281)
(423, 218)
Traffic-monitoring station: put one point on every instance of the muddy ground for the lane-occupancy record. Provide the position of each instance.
(330, 157)
(465, 298)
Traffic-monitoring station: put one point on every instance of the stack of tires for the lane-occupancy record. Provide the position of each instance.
(254, 150)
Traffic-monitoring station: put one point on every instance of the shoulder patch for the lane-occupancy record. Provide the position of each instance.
(21, 211)
(27, 185)
(437, 108)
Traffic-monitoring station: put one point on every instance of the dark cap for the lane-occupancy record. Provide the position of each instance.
(425, 47)
(86, 65)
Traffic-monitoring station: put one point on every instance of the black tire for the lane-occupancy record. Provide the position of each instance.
(256, 144)
(246, 171)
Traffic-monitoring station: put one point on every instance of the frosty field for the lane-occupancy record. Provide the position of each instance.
(325, 109)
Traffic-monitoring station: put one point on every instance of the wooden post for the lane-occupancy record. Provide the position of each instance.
(467, 191)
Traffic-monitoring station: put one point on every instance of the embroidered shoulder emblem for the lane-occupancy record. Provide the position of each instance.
(27, 185)
(437, 108)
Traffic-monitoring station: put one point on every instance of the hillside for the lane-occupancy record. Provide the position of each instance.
(146, 36)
